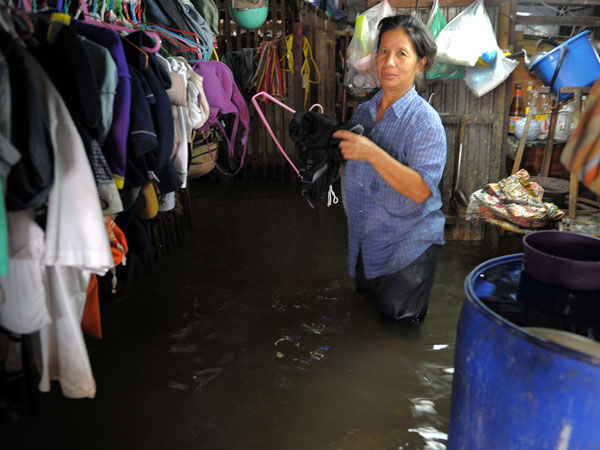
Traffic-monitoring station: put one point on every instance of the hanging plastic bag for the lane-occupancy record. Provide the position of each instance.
(467, 38)
(481, 80)
(435, 24)
(361, 72)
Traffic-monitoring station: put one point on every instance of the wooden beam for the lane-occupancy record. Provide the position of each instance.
(561, 2)
(565, 20)
(454, 119)
(426, 4)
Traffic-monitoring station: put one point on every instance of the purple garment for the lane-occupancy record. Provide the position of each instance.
(115, 145)
(223, 97)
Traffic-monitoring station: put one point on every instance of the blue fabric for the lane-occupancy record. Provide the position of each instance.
(390, 229)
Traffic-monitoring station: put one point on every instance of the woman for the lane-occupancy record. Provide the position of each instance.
(391, 175)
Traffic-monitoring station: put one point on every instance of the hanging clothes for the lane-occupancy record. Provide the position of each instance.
(196, 24)
(50, 270)
(31, 178)
(167, 14)
(9, 156)
(66, 62)
(76, 245)
(197, 110)
(115, 144)
(158, 81)
(241, 63)
(178, 96)
(209, 11)
(105, 71)
(582, 152)
(224, 98)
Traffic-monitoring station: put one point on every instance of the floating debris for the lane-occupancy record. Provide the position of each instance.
(179, 349)
(318, 354)
(279, 354)
(439, 347)
(314, 327)
(178, 386)
(423, 406)
(203, 377)
(287, 339)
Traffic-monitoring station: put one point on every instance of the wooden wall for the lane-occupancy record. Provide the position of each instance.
(264, 160)
(483, 155)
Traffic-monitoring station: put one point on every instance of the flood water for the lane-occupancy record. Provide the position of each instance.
(251, 336)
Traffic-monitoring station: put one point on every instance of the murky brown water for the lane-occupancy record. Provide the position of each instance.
(251, 337)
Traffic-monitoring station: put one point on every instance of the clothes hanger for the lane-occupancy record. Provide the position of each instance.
(21, 17)
(267, 126)
(171, 34)
(89, 19)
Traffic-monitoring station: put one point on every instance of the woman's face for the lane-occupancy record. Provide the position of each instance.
(397, 61)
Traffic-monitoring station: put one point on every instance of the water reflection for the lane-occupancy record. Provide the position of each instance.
(253, 338)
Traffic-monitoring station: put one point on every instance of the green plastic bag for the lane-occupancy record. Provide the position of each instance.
(441, 70)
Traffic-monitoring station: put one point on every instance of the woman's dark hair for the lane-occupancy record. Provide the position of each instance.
(418, 33)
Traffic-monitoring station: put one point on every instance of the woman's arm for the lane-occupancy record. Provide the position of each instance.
(402, 178)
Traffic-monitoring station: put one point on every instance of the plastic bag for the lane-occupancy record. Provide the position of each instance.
(481, 80)
(467, 37)
(436, 23)
(361, 72)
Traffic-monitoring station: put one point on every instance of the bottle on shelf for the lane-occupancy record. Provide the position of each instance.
(517, 108)
(543, 116)
(532, 96)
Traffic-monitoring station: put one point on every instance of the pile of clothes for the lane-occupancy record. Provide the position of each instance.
(515, 200)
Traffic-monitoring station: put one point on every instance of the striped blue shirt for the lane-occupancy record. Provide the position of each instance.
(389, 229)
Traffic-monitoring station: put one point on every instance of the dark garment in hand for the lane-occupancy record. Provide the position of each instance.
(319, 152)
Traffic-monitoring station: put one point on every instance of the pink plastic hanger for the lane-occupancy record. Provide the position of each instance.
(264, 120)
(26, 5)
(87, 18)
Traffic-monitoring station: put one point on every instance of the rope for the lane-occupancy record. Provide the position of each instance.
(305, 71)
(289, 55)
(268, 76)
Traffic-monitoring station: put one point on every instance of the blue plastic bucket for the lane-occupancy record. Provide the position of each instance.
(580, 66)
(511, 388)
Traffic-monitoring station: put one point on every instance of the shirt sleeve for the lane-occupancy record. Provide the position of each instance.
(426, 147)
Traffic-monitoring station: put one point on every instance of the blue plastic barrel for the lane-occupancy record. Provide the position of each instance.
(513, 390)
(580, 66)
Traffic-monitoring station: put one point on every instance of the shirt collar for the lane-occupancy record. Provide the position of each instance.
(399, 105)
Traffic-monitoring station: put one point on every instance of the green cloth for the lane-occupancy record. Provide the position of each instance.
(209, 11)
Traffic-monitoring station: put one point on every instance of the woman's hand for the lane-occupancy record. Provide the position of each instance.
(356, 147)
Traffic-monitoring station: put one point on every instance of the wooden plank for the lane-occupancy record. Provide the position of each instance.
(573, 192)
(227, 28)
(320, 56)
(298, 92)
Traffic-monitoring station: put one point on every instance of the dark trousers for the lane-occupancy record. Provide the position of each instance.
(402, 295)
